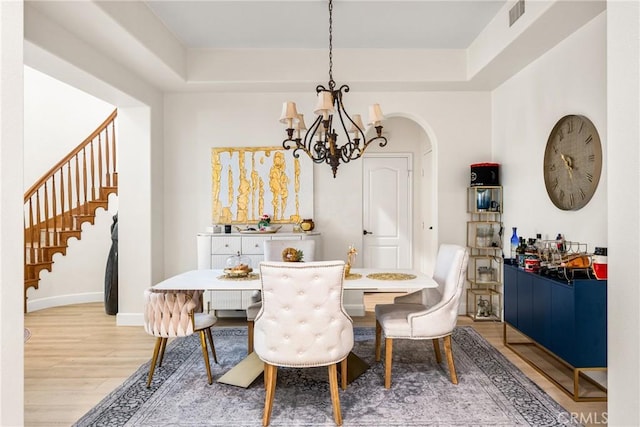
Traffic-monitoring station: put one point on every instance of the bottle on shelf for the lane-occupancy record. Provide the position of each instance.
(539, 244)
(560, 243)
(520, 252)
(514, 244)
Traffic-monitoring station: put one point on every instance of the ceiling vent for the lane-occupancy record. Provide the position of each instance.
(516, 12)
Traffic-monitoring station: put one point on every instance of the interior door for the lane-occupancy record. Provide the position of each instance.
(387, 211)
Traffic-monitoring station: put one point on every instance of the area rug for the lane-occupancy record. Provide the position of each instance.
(491, 391)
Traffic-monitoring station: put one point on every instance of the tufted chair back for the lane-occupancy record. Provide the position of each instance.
(409, 320)
(440, 319)
(170, 313)
(273, 249)
(302, 321)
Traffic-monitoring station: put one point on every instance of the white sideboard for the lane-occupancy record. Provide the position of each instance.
(215, 248)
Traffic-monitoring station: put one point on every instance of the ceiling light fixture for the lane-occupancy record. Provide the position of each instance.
(320, 140)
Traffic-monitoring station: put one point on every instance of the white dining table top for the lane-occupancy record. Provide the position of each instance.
(216, 280)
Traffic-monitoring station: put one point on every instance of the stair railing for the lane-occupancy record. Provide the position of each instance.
(57, 202)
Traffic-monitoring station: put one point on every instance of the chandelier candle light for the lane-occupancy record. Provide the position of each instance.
(320, 140)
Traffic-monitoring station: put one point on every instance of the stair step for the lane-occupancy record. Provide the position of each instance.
(95, 204)
(105, 191)
(80, 219)
(31, 283)
(32, 271)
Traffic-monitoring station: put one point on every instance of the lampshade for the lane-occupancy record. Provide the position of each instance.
(300, 125)
(324, 106)
(289, 113)
(357, 121)
(375, 115)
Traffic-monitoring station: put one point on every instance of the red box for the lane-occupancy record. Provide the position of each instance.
(485, 174)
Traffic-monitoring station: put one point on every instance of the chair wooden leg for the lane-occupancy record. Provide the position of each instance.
(436, 349)
(154, 358)
(162, 348)
(449, 353)
(378, 337)
(205, 354)
(343, 373)
(270, 376)
(335, 397)
(249, 336)
(213, 347)
(388, 344)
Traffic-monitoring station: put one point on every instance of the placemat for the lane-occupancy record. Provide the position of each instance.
(250, 276)
(391, 276)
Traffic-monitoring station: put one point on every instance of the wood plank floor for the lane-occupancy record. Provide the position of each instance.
(77, 355)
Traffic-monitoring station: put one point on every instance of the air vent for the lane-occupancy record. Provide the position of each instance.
(516, 12)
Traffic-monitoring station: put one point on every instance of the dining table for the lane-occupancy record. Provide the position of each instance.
(360, 279)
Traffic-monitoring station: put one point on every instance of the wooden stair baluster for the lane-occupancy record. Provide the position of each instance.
(57, 206)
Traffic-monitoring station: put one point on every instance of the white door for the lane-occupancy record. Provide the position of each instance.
(387, 211)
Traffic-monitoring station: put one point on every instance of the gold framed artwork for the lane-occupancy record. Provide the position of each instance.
(248, 182)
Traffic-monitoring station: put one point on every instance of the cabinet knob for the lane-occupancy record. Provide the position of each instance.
(226, 245)
(257, 246)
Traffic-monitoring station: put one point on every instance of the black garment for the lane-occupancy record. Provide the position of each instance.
(111, 275)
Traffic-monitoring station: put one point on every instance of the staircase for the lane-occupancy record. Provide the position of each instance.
(66, 197)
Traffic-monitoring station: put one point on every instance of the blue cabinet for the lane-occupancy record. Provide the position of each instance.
(567, 319)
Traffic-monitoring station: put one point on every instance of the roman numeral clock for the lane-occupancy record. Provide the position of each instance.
(572, 162)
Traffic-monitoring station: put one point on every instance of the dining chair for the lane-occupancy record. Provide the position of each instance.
(273, 251)
(419, 321)
(303, 324)
(172, 314)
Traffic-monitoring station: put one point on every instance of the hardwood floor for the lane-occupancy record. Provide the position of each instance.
(76, 355)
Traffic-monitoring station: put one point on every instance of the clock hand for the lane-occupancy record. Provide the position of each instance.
(568, 163)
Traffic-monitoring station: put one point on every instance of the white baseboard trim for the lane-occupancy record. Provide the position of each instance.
(60, 300)
(130, 319)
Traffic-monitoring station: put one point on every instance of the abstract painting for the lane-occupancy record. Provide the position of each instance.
(248, 182)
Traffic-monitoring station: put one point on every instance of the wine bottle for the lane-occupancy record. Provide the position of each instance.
(514, 245)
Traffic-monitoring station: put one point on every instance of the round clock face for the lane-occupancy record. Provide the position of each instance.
(572, 162)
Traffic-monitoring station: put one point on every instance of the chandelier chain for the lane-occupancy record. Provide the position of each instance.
(331, 81)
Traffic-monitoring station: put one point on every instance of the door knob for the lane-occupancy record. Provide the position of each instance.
(365, 232)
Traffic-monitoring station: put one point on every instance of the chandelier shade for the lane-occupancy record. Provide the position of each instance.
(320, 141)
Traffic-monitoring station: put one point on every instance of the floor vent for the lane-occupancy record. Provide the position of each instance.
(516, 12)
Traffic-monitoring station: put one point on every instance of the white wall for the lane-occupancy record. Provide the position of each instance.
(57, 118)
(11, 222)
(457, 124)
(623, 87)
(569, 79)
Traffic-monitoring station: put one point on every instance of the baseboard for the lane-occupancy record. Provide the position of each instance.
(60, 300)
(130, 319)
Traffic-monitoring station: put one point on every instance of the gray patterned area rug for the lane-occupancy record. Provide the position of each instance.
(491, 391)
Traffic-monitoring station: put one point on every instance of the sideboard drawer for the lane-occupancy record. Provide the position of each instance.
(253, 245)
(226, 245)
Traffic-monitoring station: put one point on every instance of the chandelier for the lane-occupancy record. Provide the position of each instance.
(320, 141)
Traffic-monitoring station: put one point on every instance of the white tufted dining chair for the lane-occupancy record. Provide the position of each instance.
(421, 321)
(273, 252)
(303, 324)
(172, 314)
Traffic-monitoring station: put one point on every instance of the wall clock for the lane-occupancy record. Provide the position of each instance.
(572, 162)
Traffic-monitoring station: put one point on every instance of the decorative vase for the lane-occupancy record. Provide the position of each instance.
(515, 241)
(307, 224)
